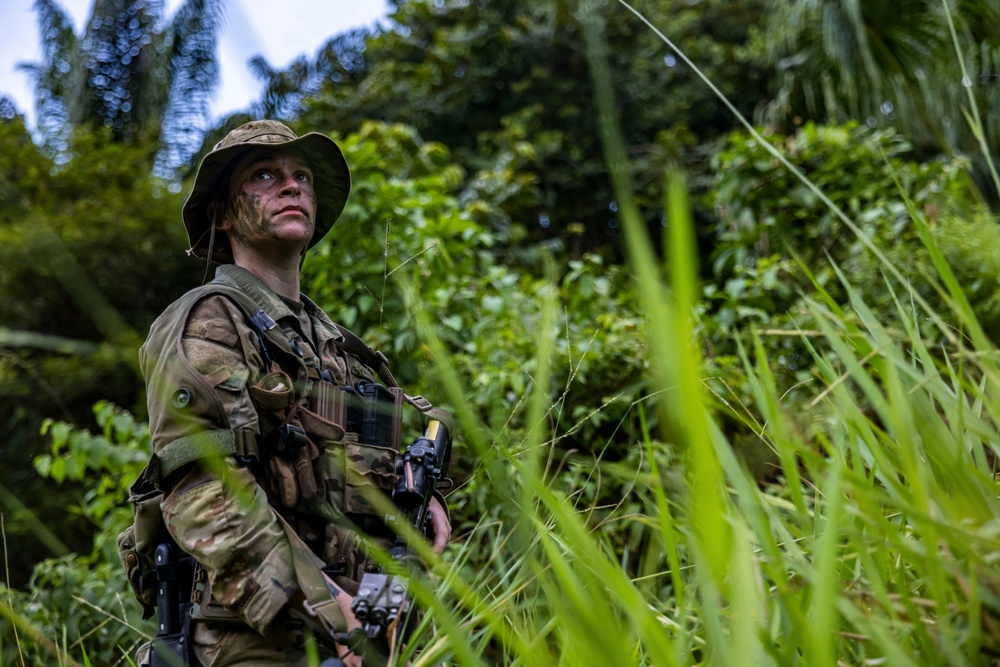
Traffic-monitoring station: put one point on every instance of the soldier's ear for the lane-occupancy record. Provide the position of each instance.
(217, 211)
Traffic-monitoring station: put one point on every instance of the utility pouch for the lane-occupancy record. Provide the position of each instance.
(138, 542)
(282, 482)
(305, 474)
(137, 568)
(331, 465)
(294, 476)
(273, 392)
(369, 469)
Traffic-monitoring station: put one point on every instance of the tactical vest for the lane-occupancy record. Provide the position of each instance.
(319, 449)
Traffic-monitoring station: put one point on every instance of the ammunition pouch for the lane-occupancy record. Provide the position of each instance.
(370, 410)
(333, 448)
(291, 473)
(374, 412)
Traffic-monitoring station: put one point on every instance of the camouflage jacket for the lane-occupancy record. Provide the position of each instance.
(210, 381)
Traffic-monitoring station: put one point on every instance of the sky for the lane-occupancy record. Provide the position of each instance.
(301, 27)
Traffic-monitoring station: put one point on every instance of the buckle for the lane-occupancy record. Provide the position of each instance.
(288, 439)
(263, 321)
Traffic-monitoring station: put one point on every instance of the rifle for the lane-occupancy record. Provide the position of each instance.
(383, 600)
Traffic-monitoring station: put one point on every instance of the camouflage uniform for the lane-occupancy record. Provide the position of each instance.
(228, 522)
(214, 386)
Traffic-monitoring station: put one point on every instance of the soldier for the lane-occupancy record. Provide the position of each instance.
(263, 482)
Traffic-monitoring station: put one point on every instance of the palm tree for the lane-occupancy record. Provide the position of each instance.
(142, 77)
(890, 62)
(341, 61)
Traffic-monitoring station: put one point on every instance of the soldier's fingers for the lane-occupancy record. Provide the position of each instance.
(440, 525)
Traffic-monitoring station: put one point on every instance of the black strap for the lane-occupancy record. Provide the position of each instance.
(352, 344)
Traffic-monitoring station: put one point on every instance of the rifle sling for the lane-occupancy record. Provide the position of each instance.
(320, 602)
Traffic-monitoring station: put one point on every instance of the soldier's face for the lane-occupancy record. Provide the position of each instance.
(271, 202)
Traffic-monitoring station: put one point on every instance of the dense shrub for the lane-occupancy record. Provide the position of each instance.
(81, 604)
(776, 240)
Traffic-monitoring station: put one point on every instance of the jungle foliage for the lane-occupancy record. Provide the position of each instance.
(699, 391)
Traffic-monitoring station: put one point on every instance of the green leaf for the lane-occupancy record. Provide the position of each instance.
(43, 464)
(60, 432)
(57, 470)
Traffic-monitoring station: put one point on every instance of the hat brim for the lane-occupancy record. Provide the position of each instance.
(331, 178)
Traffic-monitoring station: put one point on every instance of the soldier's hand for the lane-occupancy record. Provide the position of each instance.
(439, 525)
(344, 602)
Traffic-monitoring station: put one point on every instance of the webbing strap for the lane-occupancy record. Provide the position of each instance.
(312, 582)
(190, 448)
(353, 344)
(419, 402)
(260, 321)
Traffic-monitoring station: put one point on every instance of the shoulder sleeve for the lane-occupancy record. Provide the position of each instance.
(197, 362)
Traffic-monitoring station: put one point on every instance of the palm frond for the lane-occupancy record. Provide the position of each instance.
(340, 60)
(131, 71)
(887, 64)
(193, 74)
(261, 69)
(54, 77)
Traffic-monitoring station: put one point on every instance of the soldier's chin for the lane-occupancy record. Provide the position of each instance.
(296, 231)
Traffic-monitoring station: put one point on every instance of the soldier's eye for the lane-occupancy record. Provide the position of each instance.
(262, 174)
(303, 177)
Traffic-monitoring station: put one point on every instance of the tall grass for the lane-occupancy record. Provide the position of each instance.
(877, 545)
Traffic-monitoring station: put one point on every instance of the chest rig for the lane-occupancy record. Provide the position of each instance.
(306, 412)
(324, 438)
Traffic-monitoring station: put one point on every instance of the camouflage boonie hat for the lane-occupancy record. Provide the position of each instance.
(331, 178)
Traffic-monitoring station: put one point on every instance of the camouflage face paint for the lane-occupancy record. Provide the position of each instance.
(247, 215)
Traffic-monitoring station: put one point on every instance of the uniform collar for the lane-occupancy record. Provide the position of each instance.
(266, 299)
(255, 288)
